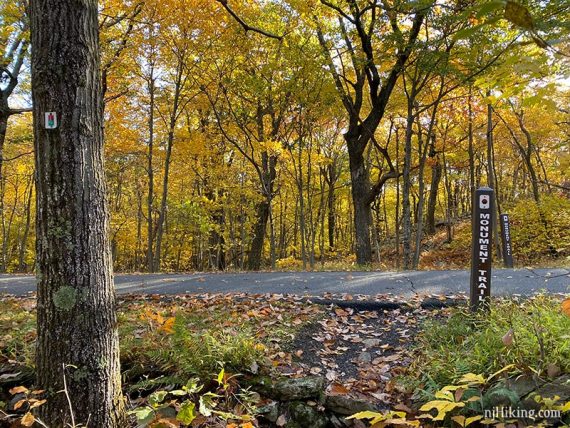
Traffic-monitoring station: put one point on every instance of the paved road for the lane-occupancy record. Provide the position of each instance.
(404, 284)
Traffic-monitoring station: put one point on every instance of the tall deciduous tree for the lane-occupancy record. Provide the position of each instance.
(77, 327)
(359, 25)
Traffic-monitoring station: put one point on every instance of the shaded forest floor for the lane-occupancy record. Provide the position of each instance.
(223, 350)
(358, 348)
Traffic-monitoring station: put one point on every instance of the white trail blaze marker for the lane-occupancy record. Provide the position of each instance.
(51, 120)
(482, 248)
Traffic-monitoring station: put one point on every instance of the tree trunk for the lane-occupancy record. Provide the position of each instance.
(397, 208)
(150, 173)
(448, 205)
(423, 149)
(362, 216)
(406, 178)
(471, 147)
(178, 86)
(433, 191)
(491, 182)
(331, 180)
(256, 250)
(22, 267)
(78, 343)
(3, 130)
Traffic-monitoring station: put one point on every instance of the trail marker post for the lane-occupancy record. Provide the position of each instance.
(506, 237)
(482, 248)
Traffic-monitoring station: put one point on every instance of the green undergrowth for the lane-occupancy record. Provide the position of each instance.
(531, 334)
(176, 338)
(17, 331)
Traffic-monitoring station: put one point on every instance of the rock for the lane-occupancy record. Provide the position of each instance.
(343, 405)
(307, 416)
(371, 343)
(559, 387)
(299, 389)
(523, 385)
(14, 375)
(270, 411)
(365, 357)
(500, 397)
(261, 384)
(337, 422)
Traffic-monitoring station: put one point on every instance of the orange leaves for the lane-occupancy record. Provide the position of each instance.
(28, 400)
(566, 307)
(19, 390)
(157, 321)
(337, 389)
(27, 420)
(243, 425)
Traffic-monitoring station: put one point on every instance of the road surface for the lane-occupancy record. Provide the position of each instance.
(403, 284)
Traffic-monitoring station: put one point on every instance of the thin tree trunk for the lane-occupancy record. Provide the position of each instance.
(471, 149)
(331, 206)
(491, 175)
(150, 172)
(302, 219)
(433, 191)
(421, 195)
(167, 161)
(406, 191)
(397, 219)
(23, 244)
(3, 130)
(78, 340)
(448, 205)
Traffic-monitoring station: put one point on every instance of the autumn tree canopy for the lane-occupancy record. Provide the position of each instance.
(352, 131)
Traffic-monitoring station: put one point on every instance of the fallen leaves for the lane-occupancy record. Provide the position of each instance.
(566, 307)
(27, 420)
(508, 338)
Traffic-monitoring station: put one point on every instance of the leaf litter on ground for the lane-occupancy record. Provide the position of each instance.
(359, 352)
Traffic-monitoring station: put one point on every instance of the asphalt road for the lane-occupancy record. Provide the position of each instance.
(404, 284)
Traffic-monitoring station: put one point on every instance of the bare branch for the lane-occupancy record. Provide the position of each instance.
(246, 26)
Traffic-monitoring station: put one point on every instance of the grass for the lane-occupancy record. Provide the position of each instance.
(467, 343)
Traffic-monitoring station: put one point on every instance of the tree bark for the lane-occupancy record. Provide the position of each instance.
(150, 173)
(256, 249)
(22, 266)
(362, 215)
(471, 146)
(77, 326)
(173, 119)
(433, 191)
(406, 190)
(331, 181)
(491, 181)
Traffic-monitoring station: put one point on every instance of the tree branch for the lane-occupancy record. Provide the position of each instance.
(245, 26)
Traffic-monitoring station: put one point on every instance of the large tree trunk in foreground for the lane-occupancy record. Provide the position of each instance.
(77, 325)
